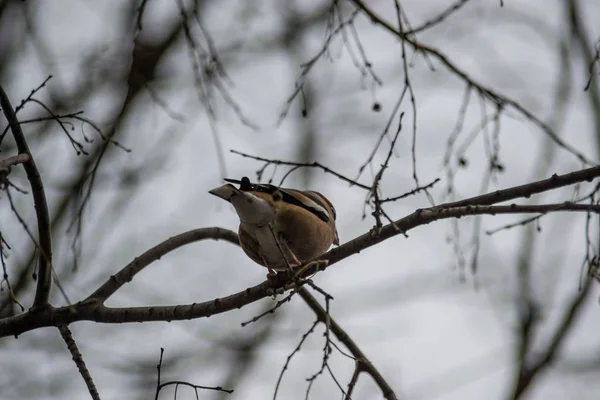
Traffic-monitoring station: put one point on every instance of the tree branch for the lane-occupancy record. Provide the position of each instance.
(160, 386)
(92, 309)
(529, 372)
(130, 270)
(363, 364)
(489, 93)
(14, 160)
(41, 206)
(65, 332)
(529, 189)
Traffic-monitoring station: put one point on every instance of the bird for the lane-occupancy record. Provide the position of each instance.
(280, 228)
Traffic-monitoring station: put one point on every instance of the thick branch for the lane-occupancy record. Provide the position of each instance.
(65, 332)
(364, 364)
(529, 189)
(14, 160)
(39, 200)
(92, 308)
(126, 274)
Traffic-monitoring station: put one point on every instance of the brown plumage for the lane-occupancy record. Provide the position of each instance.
(281, 227)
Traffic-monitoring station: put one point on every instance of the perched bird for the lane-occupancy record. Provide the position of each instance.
(280, 228)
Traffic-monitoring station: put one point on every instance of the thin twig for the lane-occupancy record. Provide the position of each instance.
(160, 386)
(11, 293)
(77, 146)
(25, 101)
(383, 133)
(529, 372)
(411, 93)
(412, 192)
(326, 347)
(439, 18)
(315, 164)
(373, 194)
(343, 337)
(270, 310)
(289, 358)
(489, 93)
(65, 332)
(307, 66)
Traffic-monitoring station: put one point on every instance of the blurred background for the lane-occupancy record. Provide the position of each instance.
(453, 311)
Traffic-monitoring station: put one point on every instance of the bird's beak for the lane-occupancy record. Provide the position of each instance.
(225, 192)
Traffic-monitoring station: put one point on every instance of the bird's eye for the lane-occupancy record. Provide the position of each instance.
(277, 196)
(333, 212)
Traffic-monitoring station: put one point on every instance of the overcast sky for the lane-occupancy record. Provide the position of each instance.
(431, 333)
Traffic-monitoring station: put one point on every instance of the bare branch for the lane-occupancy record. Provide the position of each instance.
(326, 320)
(289, 358)
(39, 199)
(439, 18)
(342, 336)
(353, 380)
(20, 218)
(92, 308)
(487, 92)
(160, 386)
(307, 66)
(407, 84)
(14, 160)
(374, 191)
(270, 310)
(412, 192)
(25, 101)
(383, 134)
(315, 164)
(65, 332)
(77, 146)
(529, 189)
(11, 293)
(128, 272)
(529, 372)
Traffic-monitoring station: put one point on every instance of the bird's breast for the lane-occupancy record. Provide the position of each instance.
(260, 244)
(253, 210)
(265, 239)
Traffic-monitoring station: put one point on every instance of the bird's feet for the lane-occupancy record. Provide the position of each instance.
(271, 274)
(319, 264)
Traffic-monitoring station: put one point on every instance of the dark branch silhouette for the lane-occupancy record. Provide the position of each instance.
(41, 207)
(67, 336)
(93, 309)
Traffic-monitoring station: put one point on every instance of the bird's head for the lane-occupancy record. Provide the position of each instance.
(253, 207)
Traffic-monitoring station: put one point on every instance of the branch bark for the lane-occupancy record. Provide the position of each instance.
(41, 206)
(362, 362)
(14, 160)
(93, 309)
(130, 270)
(67, 336)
